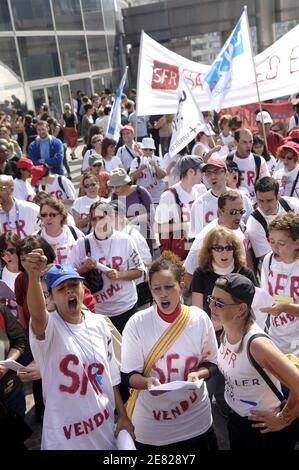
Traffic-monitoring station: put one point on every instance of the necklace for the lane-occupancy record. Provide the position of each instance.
(99, 378)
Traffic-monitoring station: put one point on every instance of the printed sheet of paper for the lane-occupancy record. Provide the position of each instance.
(177, 385)
(10, 364)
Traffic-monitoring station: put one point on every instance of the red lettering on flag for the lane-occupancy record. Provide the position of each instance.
(165, 76)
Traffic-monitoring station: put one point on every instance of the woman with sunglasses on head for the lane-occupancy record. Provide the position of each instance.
(9, 266)
(54, 230)
(111, 161)
(249, 360)
(82, 204)
(288, 176)
(221, 253)
(180, 419)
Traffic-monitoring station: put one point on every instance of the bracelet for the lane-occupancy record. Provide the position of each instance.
(282, 419)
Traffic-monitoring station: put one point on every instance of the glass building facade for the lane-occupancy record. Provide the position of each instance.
(52, 48)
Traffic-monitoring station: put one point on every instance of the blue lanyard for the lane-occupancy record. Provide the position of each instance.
(9, 223)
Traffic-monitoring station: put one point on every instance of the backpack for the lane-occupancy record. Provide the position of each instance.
(178, 244)
(257, 161)
(93, 277)
(60, 185)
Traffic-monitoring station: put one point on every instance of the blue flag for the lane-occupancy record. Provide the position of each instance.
(233, 62)
(114, 123)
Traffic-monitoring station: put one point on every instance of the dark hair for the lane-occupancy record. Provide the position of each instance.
(102, 204)
(32, 243)
(168, 261)
(237, 133)
(105, 144)
(228, 196)
(88, 175)
(260, 140)
(87, 106)
(5, 238)
(230, 165)
(265, 184)
(235, 122)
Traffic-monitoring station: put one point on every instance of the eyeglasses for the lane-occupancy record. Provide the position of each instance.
(97, 164)
(218, 303)
(286, 158)
(9, 251)
(236, 211)
(90, 185)
(50, 214)
(221, 248)
(233, 170)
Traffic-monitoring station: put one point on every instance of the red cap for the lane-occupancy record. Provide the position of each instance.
(216, 163)
(127, 128)
(24, 163)
(37, 173)
(294, 134)
(291, 145)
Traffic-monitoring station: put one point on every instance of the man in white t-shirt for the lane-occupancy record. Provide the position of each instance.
(230, 212)
(21, 217)
(269, 205)
(127, 152)
(171, 216)
(251, 166)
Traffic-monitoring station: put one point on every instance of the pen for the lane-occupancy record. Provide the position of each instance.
(252, 403)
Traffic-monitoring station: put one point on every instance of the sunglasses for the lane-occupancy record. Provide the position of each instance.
(221, 248)
(50, 214)
(233, 170)
(95, 141)
(236, 212)
(218, 304)
(90, 185)
(286, 158)
(10, 251)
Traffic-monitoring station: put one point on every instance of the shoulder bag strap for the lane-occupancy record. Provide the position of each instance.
(294, 184)
(87, 247)
(159, 349)
(259, 217)
(73, 232)
(261, 370)
(258, 162)
(130, 153)
(284, 204)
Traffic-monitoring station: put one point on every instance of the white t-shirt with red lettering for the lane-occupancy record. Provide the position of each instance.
(22, 219)
(177, 415)
(63, 244)
(191, 262)
(291, 178)
(79, 409)
(117, 252)
(248, 172)
(55, 189)
(23, 190)
(149, 179)
(282, 279)
(82, 206)
(168, 209)
(242, 381)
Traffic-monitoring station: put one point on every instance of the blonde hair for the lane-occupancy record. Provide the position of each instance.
(205, 254)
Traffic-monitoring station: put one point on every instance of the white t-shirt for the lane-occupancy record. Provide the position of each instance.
(227, 139)
(291, 176)
(63, 244)
(242, 381)
(148, 179)
(9, 278)
(118, 252)
(110, 165)
(191, 262)
(82, 206)
(103, 122)
(257, 234)
(125, 156)
(204, 148)
(282, 279)
(79, 411)
(248, 172)
(22, 219)
(168, 209)
(142, 248)
(23, 190)
(272, 164)
(293, 123)
(55, 190)
(85, 164)
(177, 415)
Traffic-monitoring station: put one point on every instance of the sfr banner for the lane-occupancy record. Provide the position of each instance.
(159, 70)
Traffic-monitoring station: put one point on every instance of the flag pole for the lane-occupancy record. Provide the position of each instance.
(138, 81)
(256, 82)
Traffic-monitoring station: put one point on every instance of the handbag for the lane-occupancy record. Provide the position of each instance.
(158, 350)
(93, 278)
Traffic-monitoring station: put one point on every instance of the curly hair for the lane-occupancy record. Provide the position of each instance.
(281, 151)
(288, 222)
(168, 261)
(205, 254)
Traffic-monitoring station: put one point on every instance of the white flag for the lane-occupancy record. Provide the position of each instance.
(114, 123)
(188, 122)
(233, 63)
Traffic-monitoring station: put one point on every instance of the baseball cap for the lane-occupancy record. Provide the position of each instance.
(238, 286)
(293, 135)
(148, 143)
(190, 161)
(216, 163)
(37, 173)
(24, 162)
(291, 145)
(60, 273)
(127, 128)
(266, 117)
(95, 159)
